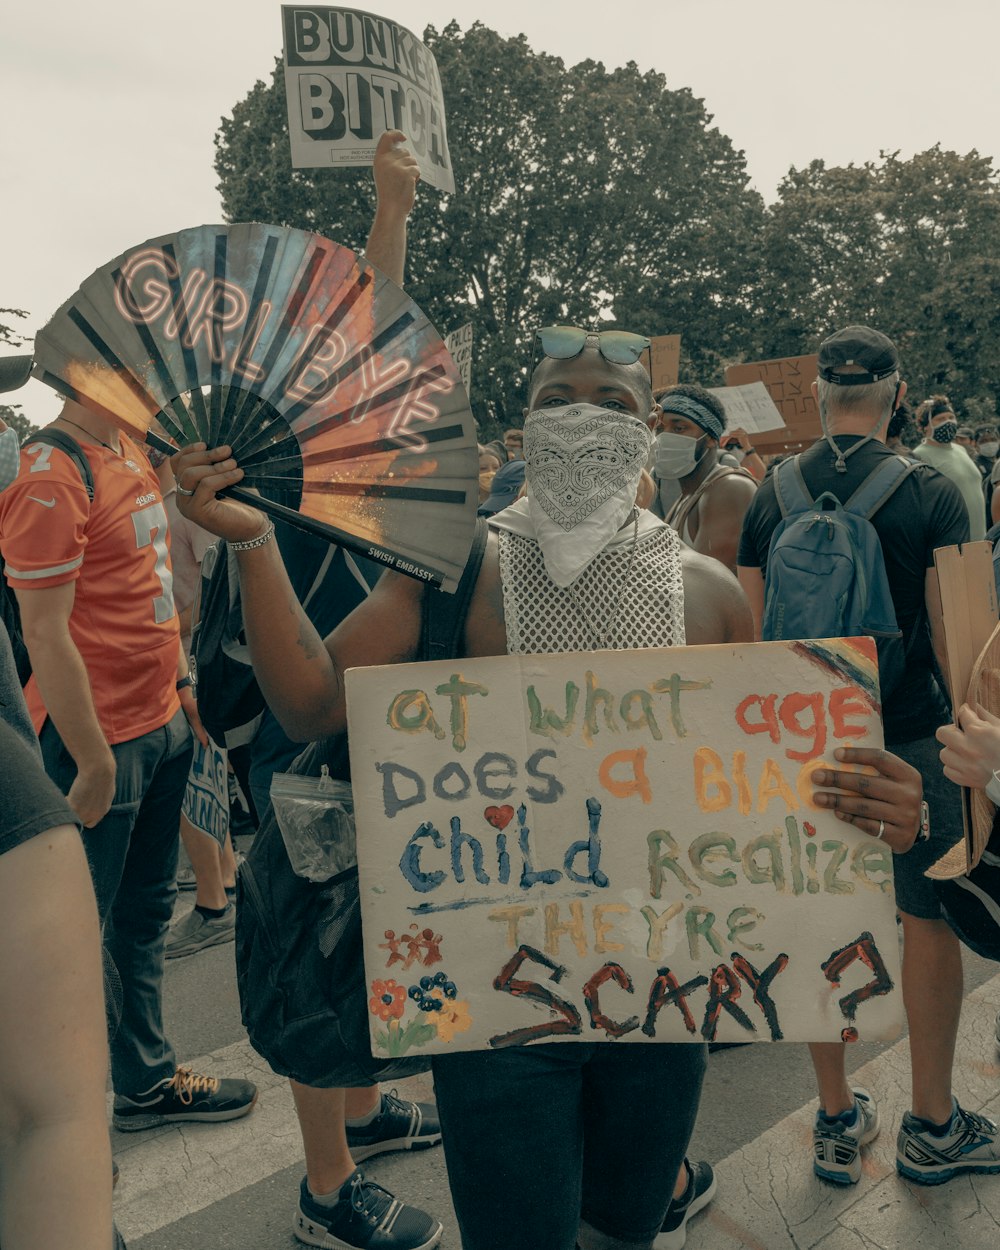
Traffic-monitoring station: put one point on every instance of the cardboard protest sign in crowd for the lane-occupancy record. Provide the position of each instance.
(619, 846)
(459, 344)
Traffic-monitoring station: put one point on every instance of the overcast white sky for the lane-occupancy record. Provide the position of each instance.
(109, 107)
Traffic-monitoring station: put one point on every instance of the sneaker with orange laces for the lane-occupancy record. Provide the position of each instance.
(184, 1098)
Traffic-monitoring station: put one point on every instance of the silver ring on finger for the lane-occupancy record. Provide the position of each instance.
(881, 829)
(182, 491)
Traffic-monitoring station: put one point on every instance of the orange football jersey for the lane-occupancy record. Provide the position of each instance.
(123, 620)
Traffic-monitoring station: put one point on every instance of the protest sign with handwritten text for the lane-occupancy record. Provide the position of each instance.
(789, 383)
(349, 77)
(459, 345)
(748, 407)
(664, 361)
(619, 846)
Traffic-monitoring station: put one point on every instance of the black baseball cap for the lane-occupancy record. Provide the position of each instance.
(14, 372)
(867, 355)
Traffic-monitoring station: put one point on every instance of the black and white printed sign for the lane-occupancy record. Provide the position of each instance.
(349, 77)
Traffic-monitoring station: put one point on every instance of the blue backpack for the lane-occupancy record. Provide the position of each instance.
(825, 570)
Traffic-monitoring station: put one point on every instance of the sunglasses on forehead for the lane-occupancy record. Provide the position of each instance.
(618, 347)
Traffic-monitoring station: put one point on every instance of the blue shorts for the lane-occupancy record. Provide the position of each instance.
(915, 893)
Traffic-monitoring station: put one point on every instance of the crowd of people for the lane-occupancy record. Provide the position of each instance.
(95, 754)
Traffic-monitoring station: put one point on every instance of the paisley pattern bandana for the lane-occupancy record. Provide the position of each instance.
(583, 467)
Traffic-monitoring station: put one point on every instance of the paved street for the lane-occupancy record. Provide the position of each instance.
(235, 1185)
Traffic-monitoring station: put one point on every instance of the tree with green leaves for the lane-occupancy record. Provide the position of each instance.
(584, 195)
(912, 247)
(10, 341)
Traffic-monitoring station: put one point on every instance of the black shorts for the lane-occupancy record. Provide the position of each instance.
(915, 893)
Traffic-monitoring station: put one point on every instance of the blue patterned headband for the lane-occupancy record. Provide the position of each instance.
(685, 406)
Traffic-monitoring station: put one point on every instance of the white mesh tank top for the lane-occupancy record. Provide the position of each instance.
(541, 617)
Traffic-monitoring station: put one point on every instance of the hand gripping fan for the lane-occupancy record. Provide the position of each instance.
(336, 394)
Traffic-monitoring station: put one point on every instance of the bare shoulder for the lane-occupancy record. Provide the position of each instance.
(485, 629)
(715, 607)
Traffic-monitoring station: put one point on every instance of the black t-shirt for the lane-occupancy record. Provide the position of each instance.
(346, 584)
(926, 512)
(29, 802)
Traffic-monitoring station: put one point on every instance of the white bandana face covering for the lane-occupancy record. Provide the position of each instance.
(583, 467)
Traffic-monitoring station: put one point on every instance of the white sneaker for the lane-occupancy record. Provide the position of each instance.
(971, 1144)
(837, 1146)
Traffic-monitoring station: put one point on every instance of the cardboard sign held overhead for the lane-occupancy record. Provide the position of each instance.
(619, 847)
(789, 383)
(664, 361)
(349, 77)
(969, 612)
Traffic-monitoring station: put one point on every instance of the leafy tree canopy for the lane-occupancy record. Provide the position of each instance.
(584, 194)
(912, 247)
(592, 195)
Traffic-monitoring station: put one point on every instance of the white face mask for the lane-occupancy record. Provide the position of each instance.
(10, 457)
(989, 450)
(675, 455)
(583, 468)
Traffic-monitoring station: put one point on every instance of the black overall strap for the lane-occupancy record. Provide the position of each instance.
(443, 618)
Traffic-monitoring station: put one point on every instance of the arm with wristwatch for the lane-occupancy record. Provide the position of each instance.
(737, 443)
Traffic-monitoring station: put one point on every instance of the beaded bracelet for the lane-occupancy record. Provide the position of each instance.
(252, 544)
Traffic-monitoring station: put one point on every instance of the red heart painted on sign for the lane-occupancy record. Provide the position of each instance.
(499, 817)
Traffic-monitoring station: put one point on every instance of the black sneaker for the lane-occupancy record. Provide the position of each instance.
(367, 1217)
(399, 1125)
(699, 1193)
(183, 1098)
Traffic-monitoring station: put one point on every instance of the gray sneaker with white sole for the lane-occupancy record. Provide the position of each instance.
(196, 932)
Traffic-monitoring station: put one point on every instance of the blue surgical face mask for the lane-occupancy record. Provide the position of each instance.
(675, 455)
(10, 457)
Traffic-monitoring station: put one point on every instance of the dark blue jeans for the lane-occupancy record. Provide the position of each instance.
(537, 1137)
(133, 862)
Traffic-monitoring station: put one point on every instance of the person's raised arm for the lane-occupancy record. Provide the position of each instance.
(300, 674)
(396, 176)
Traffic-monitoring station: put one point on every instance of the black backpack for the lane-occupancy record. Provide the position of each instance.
(10, 613)
(971, 903)
(299, 956)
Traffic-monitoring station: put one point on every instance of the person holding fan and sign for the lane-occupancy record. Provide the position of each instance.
(570, 1144)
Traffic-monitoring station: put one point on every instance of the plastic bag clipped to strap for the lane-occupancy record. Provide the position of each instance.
(316, 819)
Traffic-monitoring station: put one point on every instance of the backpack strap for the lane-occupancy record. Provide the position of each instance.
(67, 444)
(682, 509)
(443, 616)
(790, 487)
(880, 485)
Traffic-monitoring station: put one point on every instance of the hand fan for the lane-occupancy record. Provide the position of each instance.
(338, 397)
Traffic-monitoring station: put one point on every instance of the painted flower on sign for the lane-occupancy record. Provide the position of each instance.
(388, 1000)
(452, 1017)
